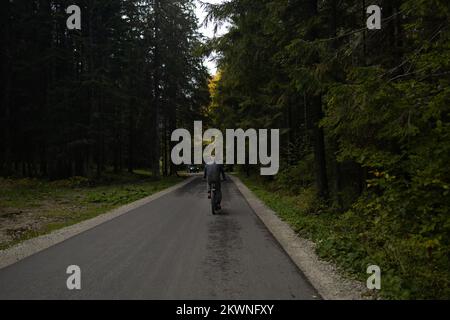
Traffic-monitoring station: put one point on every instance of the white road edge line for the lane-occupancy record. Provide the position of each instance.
(323, 275)
(32, 246)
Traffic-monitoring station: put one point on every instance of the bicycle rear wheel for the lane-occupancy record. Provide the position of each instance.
(213, 199)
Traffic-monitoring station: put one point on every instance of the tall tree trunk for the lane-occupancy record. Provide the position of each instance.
(319, 149)
(131, 136)
(164, 138)
(334, 144)
(156, 95)
(6, 71)
(364, 17)
(316, 106)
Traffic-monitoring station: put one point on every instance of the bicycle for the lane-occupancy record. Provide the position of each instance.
(214, 199)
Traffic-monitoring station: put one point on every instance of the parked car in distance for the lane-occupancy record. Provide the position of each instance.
(193, 169)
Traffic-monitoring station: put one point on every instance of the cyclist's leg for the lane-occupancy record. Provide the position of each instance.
(209, 186)
(219, 192)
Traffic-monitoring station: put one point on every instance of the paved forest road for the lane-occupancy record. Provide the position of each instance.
(171, 248)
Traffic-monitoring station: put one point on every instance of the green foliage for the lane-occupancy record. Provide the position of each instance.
(413, 266)
(298, 176)
(382, 100)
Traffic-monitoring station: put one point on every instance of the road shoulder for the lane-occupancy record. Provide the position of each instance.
(32, 246)
(323, 275)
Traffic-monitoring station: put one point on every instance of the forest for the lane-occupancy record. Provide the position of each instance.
(76, 102)
(363, 114)
(364, 119)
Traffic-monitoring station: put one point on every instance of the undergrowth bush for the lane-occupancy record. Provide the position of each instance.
(412, 251)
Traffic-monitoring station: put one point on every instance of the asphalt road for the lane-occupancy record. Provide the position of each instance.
(171, 248)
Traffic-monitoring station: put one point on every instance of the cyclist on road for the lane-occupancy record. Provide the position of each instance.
(213, 172)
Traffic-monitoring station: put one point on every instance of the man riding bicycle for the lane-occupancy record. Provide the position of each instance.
(213, 172)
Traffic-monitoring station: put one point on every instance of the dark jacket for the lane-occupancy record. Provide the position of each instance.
(213, 172)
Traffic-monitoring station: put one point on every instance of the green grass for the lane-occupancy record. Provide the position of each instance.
(54, 205)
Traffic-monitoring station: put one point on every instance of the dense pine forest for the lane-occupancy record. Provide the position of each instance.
(363, 114)
(365, 122)
(75, 102)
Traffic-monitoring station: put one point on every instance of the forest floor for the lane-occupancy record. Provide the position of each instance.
(33, 207)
